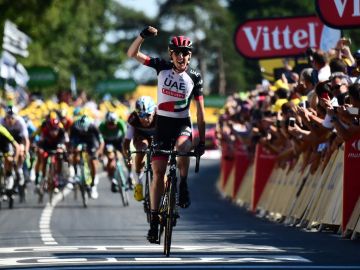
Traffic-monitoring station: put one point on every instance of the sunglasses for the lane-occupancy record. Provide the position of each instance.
(144, 115)
(184, 52)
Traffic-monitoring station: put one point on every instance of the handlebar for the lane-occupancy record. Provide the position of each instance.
(171, 152)
(182, 154)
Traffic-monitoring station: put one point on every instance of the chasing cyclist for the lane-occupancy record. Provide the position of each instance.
(10, 150)
(140, 130)
(52, 137)
(177, 85)
(84, 131)
(17, 127)
(113, 130)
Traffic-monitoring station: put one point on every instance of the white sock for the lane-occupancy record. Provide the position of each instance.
(96, 180)
(138, 177)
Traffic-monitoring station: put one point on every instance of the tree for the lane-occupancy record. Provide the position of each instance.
(69, 36)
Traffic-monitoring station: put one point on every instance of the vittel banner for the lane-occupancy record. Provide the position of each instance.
(339, 13)
(283, 37)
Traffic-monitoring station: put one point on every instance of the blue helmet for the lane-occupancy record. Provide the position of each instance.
(145, 105)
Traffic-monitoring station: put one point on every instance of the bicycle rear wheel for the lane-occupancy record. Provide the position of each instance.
(51, 182)
(84, 193)
(124, 196)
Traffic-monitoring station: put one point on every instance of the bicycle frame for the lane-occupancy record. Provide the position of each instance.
(119, 175)
(85, 176)
(168, 212)
(48, 184)
(148, 177)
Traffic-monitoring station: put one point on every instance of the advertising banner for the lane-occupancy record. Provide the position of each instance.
(351, 183)
(264, 164)
(283, 37)
(227, 163)
(242, 163)
(339, 13)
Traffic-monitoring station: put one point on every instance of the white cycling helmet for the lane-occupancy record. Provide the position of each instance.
(83, 123)
(145, 106)
(110, 117)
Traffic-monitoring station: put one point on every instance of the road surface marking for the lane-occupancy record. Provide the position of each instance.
(237, 248)
(45, 218)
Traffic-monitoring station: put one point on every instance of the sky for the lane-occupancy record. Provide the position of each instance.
(150, 6)
(151, 9)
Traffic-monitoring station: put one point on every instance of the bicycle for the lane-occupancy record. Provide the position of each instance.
(49, 185)
(148, 177)
(84, 179)
(168, 212)
(119, 175)
(6, 188)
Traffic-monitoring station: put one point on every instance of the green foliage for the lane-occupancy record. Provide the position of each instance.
(68, 36)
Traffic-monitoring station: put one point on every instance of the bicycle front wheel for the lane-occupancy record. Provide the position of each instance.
(147, 197)
(169, 219)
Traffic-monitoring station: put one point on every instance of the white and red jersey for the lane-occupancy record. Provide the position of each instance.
(175, 90)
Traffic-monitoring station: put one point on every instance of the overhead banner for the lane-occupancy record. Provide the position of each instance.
(15, 41)
(41, 76)
(283, 37)
(116, 86)
(339, 13)
(351, 183)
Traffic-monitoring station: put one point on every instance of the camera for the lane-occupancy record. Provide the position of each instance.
(353, 110)
(292, 122)
(278, 123)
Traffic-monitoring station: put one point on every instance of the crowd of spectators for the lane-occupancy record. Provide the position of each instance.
(311, 112)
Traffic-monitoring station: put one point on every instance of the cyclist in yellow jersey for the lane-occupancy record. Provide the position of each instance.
(11, 150)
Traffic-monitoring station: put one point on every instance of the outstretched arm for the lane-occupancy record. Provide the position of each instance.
(134, 49)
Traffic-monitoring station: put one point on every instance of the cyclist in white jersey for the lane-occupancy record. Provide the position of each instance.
(177, 85)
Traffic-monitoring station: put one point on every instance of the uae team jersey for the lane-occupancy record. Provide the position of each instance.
(175, 90)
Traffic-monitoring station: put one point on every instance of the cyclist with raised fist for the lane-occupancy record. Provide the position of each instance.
(178, 84)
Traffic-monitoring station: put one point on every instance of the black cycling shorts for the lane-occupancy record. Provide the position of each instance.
(48, 146)
(116, 143)
(168, 130)
(6, 148)
(92, 145)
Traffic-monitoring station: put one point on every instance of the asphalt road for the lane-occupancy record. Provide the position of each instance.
(212, 234)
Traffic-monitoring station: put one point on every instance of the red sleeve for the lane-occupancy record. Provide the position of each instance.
(147, 61)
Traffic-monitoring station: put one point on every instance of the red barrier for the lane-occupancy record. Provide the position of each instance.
(264, 164)
(242, 163)
(227, 162)
(351, 183)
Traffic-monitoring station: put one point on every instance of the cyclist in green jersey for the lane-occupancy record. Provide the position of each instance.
(113, 130)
